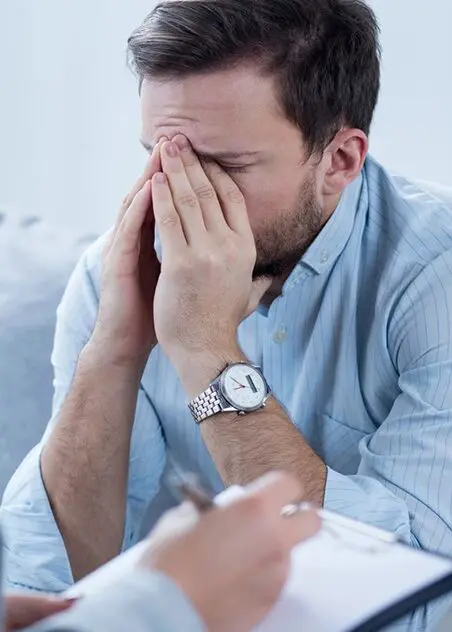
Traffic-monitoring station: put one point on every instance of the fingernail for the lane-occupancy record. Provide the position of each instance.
(71, 602)
(172, 150)
(160, 178)
(182, 142)
(64, 604)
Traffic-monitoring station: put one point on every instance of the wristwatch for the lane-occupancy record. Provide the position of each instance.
(240, 388)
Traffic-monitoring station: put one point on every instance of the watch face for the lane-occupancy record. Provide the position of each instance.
(244, 387)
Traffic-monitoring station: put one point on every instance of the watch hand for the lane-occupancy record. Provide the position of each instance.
(241, 385)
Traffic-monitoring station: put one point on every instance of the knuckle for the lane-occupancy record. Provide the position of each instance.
(188, 199)
(231, 254)
(170, 220)
(205, 192)
(234, 195)
(208, 259)
(230, 246)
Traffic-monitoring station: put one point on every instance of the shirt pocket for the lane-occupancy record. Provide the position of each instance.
(337, 444)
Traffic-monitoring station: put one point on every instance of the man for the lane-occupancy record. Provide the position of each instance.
(183, 580)
(257, 115)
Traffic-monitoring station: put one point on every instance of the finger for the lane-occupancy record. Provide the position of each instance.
(299, 527)
(276, 489)
(25, 610)
(126, 244)
(202, 187)
(152, 166)
(231, 198)
(167, 219)
(185, 201)
(281, 533)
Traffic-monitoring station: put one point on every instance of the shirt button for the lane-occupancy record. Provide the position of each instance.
(280, 335)
(324, 257)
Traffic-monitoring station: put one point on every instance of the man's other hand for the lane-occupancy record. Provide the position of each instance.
(124, 331)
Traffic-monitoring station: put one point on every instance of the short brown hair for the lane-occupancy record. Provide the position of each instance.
(323, 54)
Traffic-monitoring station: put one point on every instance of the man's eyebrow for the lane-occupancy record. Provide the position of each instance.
(218, 155)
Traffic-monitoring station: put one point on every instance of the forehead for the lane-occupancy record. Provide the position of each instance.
(215, 111)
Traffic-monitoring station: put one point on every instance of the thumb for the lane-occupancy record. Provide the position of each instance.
(25, 610)
(259, 288)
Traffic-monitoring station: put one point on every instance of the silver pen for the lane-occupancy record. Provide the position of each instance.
(335, 519)
(187, 487)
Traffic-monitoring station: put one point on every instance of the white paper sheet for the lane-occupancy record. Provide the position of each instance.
(339, 579)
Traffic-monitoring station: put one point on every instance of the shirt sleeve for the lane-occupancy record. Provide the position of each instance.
(35, 556)
(403, 483)
(142, 602)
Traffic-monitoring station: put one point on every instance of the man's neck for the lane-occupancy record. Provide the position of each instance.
(275, 288)
(330, 205)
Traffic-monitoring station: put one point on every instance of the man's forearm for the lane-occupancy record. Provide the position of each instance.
(245, 447)
(86, 459)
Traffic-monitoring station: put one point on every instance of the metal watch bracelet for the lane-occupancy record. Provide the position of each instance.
(206, 404)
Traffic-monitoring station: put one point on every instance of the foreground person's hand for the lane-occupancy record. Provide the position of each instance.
(233, 562)
(22, 610)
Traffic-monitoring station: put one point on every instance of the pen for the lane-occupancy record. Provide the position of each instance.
(201, 500)
(187, 486)
(335, 519)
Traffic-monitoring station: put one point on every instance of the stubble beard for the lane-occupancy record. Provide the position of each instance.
(281, 244)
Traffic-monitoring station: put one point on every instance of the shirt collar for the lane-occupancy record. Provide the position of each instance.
(331, 241)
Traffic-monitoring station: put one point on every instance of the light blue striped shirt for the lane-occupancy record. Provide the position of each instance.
(358, 349)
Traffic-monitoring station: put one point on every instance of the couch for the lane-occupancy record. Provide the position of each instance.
(36, 260)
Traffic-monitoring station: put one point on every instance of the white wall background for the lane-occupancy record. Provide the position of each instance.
(69, 117)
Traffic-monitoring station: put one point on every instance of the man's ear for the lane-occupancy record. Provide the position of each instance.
(345, 158)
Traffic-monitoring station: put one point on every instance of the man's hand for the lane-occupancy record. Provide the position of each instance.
(233, 562)
(205, 290)
(25, 610)
(125, 325)
(206, 287)
(85, 463)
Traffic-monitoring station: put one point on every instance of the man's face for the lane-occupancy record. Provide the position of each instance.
(233, 118)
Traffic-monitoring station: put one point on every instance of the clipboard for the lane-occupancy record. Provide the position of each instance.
(406, 606)
(354, 577)
(351, 577)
